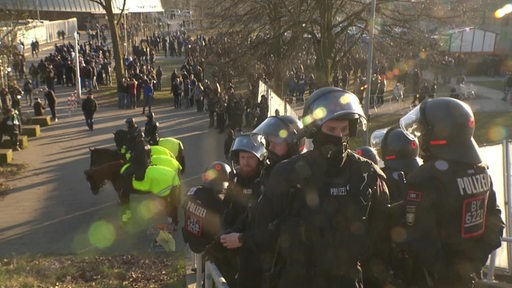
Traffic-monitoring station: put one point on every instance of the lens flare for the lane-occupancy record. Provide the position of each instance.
(497, 133)
(283, 133)
(148, 208)
(345, 99)
(101, 234)
(320, 112)
(503, 11)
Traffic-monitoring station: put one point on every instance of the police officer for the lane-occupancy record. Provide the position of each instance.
(89, 107)
(452, 220)
(369, 153)
(399, 152)
(284, 139)
(327, 203)
(12, 125)
(139, 160)
(248, 154)
(132, 131)
(175, 146)
(204, 209)
(151, 129)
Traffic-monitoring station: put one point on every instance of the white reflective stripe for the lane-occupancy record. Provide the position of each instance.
(165, 190)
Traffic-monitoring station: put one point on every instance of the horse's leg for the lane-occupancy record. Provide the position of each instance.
(173, 202)
(124, 195)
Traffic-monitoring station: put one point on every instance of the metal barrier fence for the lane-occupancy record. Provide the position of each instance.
(212, 276)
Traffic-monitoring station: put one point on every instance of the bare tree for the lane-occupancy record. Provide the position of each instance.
(114, 34)
(330, 32)
(9, 37)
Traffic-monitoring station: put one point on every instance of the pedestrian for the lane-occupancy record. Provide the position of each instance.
(38, 107)
(131, 88)
(198, 96)
(122, 93)
(51, 100)
(151, 129)
(89, 107)
(148, 96)
(508, 88)
(5, 99)
(452, 220)
(326, 205)
(228, 142)
(158, 74)
(398, 91)
(28, 90)
(176, 91)
(12, 122)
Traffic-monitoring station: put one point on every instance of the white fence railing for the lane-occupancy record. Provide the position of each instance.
(212, 276)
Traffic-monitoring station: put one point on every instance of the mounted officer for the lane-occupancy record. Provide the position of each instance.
(138, 158)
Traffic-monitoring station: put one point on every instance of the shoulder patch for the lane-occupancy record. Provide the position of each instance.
(192, 191)
(441, 165)
(414, 196)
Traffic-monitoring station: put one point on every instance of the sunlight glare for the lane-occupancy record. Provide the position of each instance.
(503, 11)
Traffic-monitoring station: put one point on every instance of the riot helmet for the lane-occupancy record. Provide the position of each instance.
(130, 123)
(444, 128)
(217, 175)
(253, 143)
(330, 103)
(283, 129)
(150, 115)
(398, 149)
(368, 153)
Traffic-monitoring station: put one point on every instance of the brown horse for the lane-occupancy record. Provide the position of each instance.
(100, 156)
(164, 177)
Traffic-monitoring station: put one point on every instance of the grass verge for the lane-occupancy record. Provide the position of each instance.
(77, 272)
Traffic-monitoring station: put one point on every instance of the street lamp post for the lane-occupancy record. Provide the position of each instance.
(37, 7)
(77, 67)
(369, 64)
(125, 35)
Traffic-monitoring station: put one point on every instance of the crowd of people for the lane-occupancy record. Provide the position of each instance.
(279, 216)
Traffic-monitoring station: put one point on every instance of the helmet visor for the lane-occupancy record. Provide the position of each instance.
(337, 107)
(376, 138)
(253, 143)
(410, 123)
(275, 130)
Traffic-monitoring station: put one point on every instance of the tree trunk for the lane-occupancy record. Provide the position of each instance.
(116, 49)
